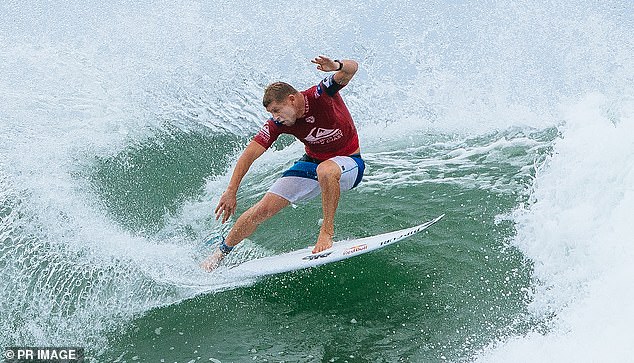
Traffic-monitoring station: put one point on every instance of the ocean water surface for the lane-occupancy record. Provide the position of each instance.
(120, 124)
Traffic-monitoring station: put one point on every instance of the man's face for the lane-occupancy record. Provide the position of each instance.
(283, 112)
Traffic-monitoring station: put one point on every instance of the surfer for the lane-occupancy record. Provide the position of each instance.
(332, 163)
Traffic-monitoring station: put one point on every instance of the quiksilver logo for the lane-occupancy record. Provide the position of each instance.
(322, 136)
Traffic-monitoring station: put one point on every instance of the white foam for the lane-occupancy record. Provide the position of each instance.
(578, 233)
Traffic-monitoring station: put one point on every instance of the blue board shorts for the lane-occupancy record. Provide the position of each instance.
(299, 183)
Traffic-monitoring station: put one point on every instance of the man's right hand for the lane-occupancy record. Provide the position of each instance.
(213, 261)
(227, 205)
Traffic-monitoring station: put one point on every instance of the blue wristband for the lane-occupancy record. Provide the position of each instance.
(224, 248)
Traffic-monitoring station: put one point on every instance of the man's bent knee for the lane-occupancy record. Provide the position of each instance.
(328, 170)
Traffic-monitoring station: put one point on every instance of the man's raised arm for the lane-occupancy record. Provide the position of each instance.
(345, 68)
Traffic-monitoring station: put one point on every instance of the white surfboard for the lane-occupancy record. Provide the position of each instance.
(304, 258)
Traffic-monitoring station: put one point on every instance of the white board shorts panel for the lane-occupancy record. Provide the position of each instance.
(298, 189)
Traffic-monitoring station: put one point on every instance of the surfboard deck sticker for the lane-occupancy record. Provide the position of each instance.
(304, 258)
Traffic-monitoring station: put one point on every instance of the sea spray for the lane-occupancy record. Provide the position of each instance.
(577, 232)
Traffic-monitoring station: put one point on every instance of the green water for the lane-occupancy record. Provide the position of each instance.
(438, 296)
(141, 184)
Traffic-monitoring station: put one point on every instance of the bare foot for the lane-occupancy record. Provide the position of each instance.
(213, 261)
(324, 242)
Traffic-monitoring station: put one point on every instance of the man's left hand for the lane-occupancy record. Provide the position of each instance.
(325, 64)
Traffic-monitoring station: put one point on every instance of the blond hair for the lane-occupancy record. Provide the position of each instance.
(277, 92)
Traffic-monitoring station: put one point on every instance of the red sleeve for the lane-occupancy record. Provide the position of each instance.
(267, 134)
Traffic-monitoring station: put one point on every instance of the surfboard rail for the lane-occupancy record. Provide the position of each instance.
(304, 258)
